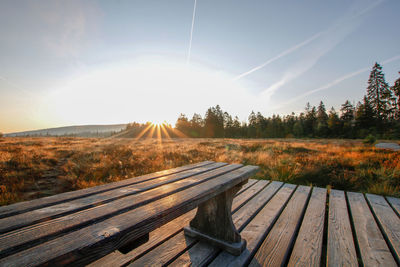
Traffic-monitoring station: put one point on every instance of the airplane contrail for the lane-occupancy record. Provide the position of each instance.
(284, 53)
(309, 40)
(336, 81)
(191, 32)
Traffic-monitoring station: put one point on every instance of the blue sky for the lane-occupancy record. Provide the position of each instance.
(100, 62)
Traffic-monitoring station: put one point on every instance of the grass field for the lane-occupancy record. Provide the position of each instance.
(36, 167)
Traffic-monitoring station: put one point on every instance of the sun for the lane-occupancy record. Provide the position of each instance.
(146, 90)
(159, 123)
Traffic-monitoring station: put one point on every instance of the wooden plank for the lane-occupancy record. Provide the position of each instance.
(252, 191)
(308, 246)
(253, 233)
(170, 249)
(276, 247)
(160, 235)
(249, 184)
(26, 237)
(243, 216)
(341, 250)
(395, 202)
(47, 213)
(389, 222)
(20, 207)
(373, 248)
(92, 242)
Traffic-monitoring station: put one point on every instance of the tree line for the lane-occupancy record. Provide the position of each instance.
(377, 114)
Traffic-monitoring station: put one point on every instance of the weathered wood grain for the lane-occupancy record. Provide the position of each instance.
(160, 235)
(26, 237)
(341, 250)
(20, 207)
(389, 222)
(92, 242)
(373, 248)
(308, 246)
(170, 249)
(47, 213)
(250, 183)
(275, 248)
(253, 191)
(243, 216)
(201, 252)
(254, 233)
(395, 202)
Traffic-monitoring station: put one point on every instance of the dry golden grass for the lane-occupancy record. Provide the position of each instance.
(37, 167)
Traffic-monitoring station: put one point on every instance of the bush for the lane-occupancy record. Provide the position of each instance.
(370, 139)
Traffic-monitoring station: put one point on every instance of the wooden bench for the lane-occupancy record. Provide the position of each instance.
(82, 226)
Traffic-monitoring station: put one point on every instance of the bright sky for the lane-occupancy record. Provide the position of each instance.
(105, 62)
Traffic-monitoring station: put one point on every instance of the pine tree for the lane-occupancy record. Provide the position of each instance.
(365, 117)
(196, 124)
(378, 93)
(310, 122)
(228, 125)
(183, 125)
(347, 118)
(214, 122)
(396, 92)
(334, 123)
(252, 126)
(322, 120)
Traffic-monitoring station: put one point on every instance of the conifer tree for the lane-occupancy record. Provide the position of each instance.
(310, 120)
(347, 118)
(396, 92)
(252, 126)
(378, 93)
(183, 124)
(322, 120)
(334, 122)
(365, 116)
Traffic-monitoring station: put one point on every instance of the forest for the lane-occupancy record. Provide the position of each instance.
(377, 115)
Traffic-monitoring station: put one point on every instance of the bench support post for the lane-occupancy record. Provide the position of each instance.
(213, 223)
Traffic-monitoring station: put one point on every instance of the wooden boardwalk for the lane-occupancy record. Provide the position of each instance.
(284, 224)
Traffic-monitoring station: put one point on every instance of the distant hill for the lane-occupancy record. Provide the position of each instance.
(80, 130)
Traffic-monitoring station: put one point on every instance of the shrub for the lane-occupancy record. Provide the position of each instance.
(370, 139)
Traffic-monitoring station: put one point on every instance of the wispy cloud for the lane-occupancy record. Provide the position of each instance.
(191, 32)
(324, 42)
(315, 47)
(284, 53)
(334, 82)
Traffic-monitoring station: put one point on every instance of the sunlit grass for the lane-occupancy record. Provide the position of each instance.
(37, 167)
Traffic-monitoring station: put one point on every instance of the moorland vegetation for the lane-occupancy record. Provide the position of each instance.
(37, 167)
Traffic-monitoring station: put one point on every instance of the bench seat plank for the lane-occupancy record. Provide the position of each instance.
(389, 222)
(373, 248)
(20, 207)
(170, 249)
(341, 250)
(14, 241)
(308, 247)
(166, 231)
(51, 212)
(102, 238)
(275, 248)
